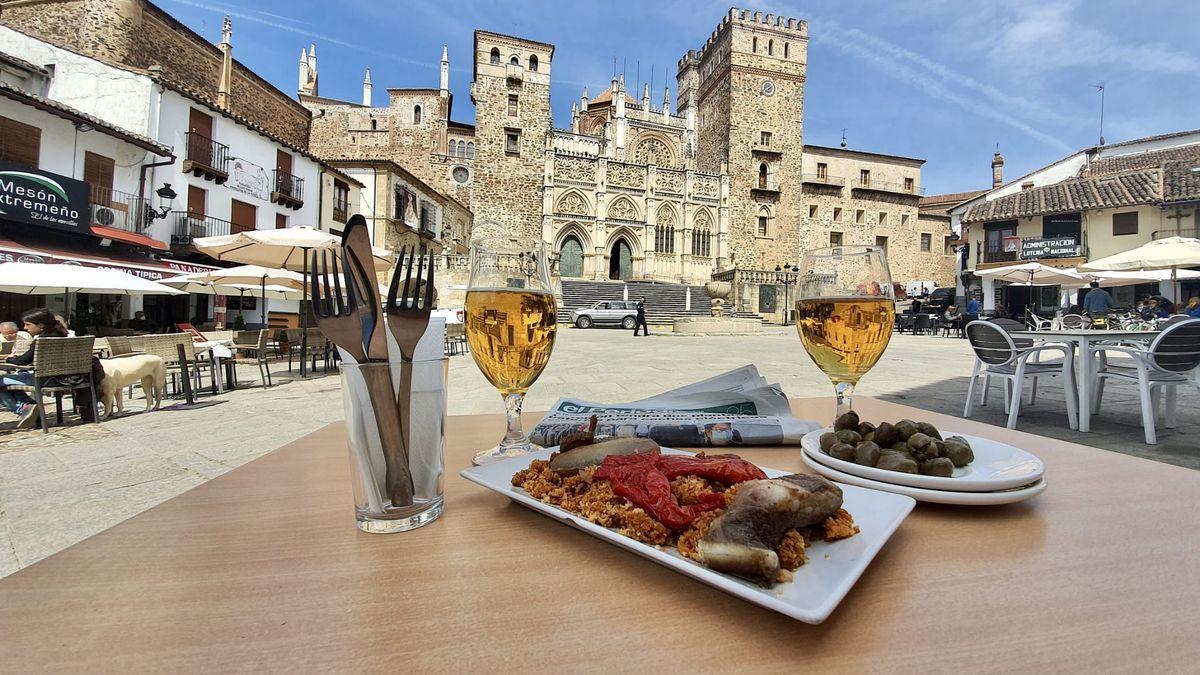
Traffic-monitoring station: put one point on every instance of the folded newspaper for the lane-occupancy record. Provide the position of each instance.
(734, 408)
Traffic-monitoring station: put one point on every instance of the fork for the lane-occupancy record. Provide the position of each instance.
(348, 323)
(407, 320)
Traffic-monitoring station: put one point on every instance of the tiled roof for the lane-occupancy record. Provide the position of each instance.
(606, 97)
(1181, 181)
(22, 64)
(1143, 160)
(1075, 194)
(951, 197)
(69, 113)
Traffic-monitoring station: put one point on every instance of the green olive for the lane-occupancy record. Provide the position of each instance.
(827, 441)
(895, 461)
(842, 451)
(959, 439)
(846, 421)
(848, 436)
(901, 446)
(867, 453)
(906, 428)
(929, 430)
(865, 428)
(957, 453)
(886, 435)
(938, 466)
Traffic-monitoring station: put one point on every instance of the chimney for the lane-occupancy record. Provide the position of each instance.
(366, 100)
(998, 169)
(1027, 185)
(226, 81)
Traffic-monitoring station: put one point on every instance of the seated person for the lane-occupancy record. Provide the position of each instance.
(10, 333)
(1165, 307)
(952, 315)
(915, 308)
(1193, 307)
(38, 323)
(62, 326)
(139, 322)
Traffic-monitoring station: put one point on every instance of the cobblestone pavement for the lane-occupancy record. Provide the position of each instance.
(58, 489)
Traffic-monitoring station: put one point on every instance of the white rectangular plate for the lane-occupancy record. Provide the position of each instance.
(819, 585)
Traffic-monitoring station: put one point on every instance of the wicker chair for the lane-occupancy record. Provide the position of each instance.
(61, 366)
(316, 346)
(253, 352)
(166, 347)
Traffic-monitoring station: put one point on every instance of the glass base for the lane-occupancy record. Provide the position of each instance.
(400, 520)
(504, 452)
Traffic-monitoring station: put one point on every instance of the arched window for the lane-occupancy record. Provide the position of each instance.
(570, 261)
(702, 236)
(462, 148)
(785, 50)
(664, 231)
(770, 47)
(762, 176)
(514, 60)
(754, 45)
(764, 222)
(471, 150)
(533, 63)
(495, 58)
(416, 114)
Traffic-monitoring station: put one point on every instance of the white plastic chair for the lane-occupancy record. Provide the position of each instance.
(1074, 322)
(1169, 361)
(998, 355)
(1038, 323)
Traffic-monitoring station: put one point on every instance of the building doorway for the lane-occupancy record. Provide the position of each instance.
(620, 261)
(570, 261)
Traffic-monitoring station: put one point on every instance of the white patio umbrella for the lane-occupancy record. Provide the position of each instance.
(1170, 253)
(258, 276)
(50, 279)
(1110, 279)
(1034, 274)
(288, 248)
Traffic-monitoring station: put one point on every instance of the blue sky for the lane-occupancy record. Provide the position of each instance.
(937, 79)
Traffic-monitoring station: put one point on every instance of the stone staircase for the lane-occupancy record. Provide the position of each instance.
(665, 302)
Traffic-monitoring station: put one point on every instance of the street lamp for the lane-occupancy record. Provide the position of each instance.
(787, 275)
(165, 194)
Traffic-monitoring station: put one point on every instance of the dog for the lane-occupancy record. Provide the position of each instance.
(124, 371)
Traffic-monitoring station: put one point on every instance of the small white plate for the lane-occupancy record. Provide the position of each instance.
(997, 466)
(818, 585)
(932, 496)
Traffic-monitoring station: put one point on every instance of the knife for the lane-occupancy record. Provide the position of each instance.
(356, 241)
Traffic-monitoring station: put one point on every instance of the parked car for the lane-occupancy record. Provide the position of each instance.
(940, 299)
(621, 313)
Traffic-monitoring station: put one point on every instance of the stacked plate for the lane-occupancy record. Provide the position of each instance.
(1000, 474)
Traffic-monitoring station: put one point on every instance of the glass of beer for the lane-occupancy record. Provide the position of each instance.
(511, 320)
(845, 309)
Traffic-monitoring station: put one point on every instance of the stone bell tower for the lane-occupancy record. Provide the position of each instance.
(511, 93)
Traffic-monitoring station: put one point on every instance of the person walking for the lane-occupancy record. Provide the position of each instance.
(1097, 302)
(640, 321)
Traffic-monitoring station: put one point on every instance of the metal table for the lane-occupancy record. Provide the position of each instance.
(1084, 340)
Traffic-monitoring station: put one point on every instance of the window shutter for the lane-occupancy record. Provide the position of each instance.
(19, 142)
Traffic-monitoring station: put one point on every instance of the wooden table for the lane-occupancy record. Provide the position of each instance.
(1084, 341)
(262, 569)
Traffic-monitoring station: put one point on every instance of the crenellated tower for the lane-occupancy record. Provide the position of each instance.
(743, 94)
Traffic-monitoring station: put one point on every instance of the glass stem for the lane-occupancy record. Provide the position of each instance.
(515, 436)
(845, 391)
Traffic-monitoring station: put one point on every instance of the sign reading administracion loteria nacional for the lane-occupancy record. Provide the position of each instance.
(1065, 246)
(36, 197)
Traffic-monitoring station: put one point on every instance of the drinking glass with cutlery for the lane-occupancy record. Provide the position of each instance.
(397, 463)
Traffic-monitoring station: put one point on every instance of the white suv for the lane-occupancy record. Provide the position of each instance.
(606, 312)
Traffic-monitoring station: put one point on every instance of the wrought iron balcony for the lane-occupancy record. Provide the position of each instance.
(822, 179)
(287, 190)
(994, 254)
(339, 213)
(118, 210)
(888, 186)
(1190, 232)
(189, 226)
(206, 158)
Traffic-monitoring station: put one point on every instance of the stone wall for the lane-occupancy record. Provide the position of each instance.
(136, 34)
(508, 186)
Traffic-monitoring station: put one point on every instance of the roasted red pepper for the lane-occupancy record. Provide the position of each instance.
(729, 469)
(644, 481)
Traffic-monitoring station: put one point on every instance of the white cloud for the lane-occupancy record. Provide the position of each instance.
(1042, 37)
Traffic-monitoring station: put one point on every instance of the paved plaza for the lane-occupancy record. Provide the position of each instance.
(59, 489)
